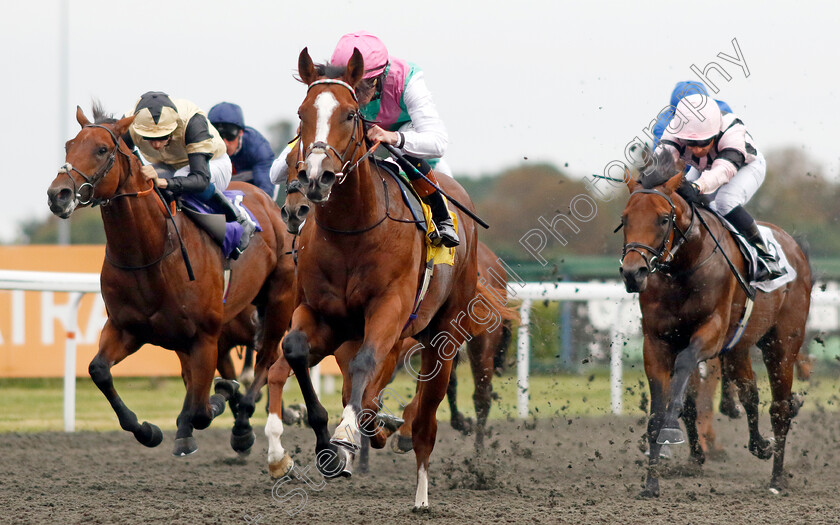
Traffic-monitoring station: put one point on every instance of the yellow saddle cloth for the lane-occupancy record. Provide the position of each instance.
(439, 253)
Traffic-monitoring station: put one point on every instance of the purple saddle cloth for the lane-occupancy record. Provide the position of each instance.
(229, 239)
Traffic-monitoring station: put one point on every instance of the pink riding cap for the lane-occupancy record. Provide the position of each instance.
(373, 51)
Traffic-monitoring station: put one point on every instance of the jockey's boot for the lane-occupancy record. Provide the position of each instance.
(234, 213)
(443, 221)
(770, 268)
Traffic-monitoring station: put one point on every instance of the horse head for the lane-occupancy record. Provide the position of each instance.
(331, 131)
(86, 177)
(295, 208)
(650, 220)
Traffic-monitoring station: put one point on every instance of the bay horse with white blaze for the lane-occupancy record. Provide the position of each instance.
(358, 276)
(691, 306)
(147, 294)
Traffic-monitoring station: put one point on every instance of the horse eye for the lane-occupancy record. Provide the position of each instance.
(351, 115)
(103, 150)
(663, 220)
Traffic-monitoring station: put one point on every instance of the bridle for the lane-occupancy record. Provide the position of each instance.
(92, 180)
(355, 142)
(663, 255)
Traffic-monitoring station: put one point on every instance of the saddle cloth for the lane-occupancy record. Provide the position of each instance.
(226, 234)
(751, 255)
(421, 213)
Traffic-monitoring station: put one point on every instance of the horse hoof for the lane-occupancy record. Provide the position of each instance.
(462, 424)
(282, 467)
(664, 452)
(242, 441)
(247, 377)
(730, 409)
(649, 494)
(389, 422)
(670, 436)
(331, 463)
(763, 449)
(149, 435)
(402, 444)
(184, 447)
(294, 414)
(225, 387)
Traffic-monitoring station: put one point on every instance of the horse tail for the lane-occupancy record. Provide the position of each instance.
(488, 308)
(804, 363)
(805, 246)
(500, 357)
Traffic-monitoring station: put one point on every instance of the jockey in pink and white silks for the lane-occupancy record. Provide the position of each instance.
(725, 166)
(393, 93)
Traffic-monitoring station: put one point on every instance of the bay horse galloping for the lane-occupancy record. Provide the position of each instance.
(691, 307)
(145, 285)
(359, 271)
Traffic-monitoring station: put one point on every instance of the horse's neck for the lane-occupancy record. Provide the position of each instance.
(135, 227)
(355, 204)
(700, 244)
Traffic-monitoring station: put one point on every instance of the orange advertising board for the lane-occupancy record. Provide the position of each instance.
(33, 327)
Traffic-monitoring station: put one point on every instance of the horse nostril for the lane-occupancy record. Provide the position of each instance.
(327, 178)
(61, 197)
(302, 211)
(303, 177)
(284, 214)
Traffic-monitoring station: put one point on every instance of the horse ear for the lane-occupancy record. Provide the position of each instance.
(81, 118)
(122, 125)
(674, 182)
(355, 68)
(306, 68)
(632, 184)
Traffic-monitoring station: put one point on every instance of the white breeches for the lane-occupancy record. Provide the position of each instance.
(740, 189)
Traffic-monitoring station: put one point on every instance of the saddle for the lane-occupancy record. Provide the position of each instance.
(203, 214)
(751, 255)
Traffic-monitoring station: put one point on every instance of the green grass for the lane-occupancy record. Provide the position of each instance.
(35, 405)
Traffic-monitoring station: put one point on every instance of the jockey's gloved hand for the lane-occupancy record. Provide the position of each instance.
(691, 192)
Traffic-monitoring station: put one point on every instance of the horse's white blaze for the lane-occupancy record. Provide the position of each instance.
(273, 431)
(421, 499)
(348, 429)
(325, 104)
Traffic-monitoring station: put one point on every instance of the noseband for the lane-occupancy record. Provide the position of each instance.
(92, 180)
(663, 255)
(323, 147)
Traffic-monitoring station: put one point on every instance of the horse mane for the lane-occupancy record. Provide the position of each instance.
(100, 116)
(658, 170)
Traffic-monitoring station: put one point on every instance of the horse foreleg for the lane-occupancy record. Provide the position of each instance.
(200, 408)
(689, 416)
(482, 353)
(456, 418)
(114, 346)
(705, 409)
(658, 363)
(296, 348)
(435, 369)
(271, 324)
(403, 441)
(737, 365)
(780, 356)
(246, 376)
(224, 365)
(279, 461)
